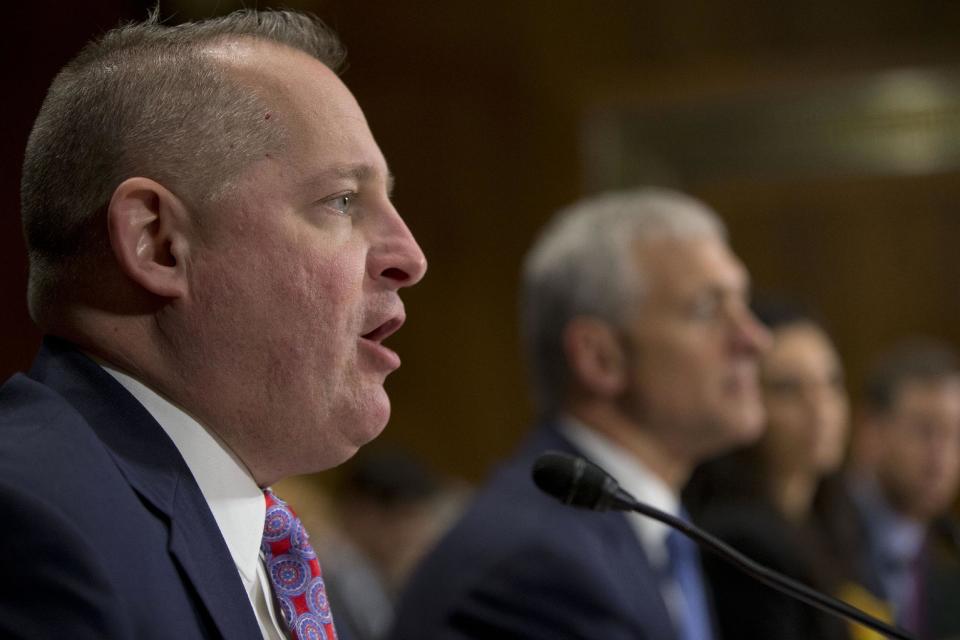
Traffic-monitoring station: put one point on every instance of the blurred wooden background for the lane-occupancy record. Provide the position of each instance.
(493, 114)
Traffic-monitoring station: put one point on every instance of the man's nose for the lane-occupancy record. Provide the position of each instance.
(750, 334)
(396, 258)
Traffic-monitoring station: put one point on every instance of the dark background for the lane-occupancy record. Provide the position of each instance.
(493, 114)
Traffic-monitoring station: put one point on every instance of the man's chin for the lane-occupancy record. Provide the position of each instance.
(371, 420)
(754, 422)
(353, 430)
(744, 428)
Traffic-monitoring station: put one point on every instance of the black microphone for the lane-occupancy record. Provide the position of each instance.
(577, 482)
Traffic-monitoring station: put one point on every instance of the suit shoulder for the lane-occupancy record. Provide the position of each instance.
(53, 459)
(28, 409)
(519, 562)
(45, 444)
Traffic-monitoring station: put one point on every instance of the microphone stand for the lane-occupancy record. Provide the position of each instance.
(765, 575)
(578, 482)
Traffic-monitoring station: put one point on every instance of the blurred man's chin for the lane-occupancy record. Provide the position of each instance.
(749, 412)
(729, 434)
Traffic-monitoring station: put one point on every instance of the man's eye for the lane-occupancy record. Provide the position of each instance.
(783, 386)
(341, 204)
(704, 309)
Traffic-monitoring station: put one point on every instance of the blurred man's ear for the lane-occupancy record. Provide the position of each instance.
(595, 357)
(147, 225)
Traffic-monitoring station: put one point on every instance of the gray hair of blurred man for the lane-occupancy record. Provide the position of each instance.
(147, 100)
(582, 264)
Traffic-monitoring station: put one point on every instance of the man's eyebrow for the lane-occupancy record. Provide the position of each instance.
(357, 172)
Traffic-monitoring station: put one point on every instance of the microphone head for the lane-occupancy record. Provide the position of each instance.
(574, 481)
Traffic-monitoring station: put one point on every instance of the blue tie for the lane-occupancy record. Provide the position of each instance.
(684, 567)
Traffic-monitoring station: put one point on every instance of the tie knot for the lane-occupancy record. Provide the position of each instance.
(282, 527)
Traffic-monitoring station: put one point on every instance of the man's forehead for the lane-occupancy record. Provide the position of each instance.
(921, 392)
(300, 95)
(274, 69)
(702, 260)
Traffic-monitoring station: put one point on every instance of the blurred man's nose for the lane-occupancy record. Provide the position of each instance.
(749, 333)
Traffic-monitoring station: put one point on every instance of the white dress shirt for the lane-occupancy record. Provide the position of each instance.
(643, 485)
(235, 500)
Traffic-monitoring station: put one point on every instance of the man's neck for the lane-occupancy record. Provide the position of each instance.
(637, 440)
(793, 495)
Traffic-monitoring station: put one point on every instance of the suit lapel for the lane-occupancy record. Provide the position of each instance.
(196, 543)
(155, 469)
(635, 570)
(635, 567)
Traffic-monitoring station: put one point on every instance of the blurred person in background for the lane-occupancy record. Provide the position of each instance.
(903, 495)
(777, 500)
(644, 357)
(387, 510)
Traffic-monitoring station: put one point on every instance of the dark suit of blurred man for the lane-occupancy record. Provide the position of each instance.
(907, 484)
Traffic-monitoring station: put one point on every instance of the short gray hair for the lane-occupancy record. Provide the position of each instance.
(582, 265)
(144, 100)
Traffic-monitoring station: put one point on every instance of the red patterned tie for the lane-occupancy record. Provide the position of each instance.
(295, 573)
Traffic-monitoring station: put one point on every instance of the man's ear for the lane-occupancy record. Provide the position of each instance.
(595, 356)
(148, 234)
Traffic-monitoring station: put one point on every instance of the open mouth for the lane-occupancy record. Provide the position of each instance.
(384, 330)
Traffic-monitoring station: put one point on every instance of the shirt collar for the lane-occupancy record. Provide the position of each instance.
(232, 494)
(634, 477)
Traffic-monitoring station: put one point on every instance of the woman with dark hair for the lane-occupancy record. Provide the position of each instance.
(773, 500)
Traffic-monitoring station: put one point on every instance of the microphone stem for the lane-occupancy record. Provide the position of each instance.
(768, 576)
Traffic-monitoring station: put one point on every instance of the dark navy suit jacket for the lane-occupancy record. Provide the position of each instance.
(520, 564)
(104, 532)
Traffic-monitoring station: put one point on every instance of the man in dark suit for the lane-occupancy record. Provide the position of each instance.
(215, 261)
(643, 351)
(908, 450)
